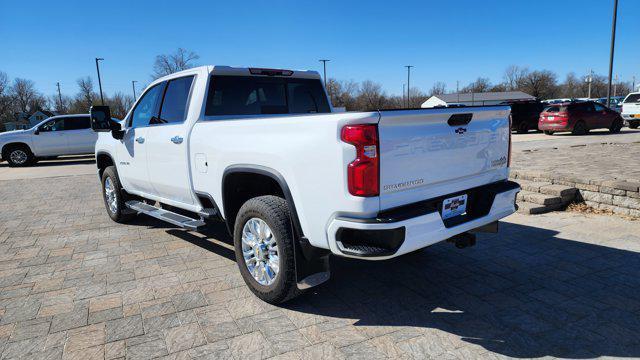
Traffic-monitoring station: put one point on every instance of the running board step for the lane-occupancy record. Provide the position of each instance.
(164, 215)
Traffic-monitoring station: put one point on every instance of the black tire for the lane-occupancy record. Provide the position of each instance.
(548, 132)
(634, 124)
(275, 212)
(580, 128)
(523, 128)
(19, 156)
(616, 126)
(120, 214)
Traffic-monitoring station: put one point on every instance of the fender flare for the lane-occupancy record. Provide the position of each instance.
(273, 174)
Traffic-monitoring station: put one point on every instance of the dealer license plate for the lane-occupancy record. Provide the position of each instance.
(454, 206)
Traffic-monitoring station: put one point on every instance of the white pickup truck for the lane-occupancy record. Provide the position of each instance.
(631, 109)
(261, 150)
(55, 136)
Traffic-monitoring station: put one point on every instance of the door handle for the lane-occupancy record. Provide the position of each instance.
(140, 140)
(176, 139)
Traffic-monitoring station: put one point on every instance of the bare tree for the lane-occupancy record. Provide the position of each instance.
(438, 88)
(540, 83)
(480, 85)
(5, 99)
(24, 95)
(513, 76)
(86, 96)
(343, 93)
(166, 64)
(119, 104)
(370, 96)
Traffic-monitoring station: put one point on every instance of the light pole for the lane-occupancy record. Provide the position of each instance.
(589, 80)
(615, 86)
(324, 65)
(408, 85)
(633, 87)
(59, 98)
(133, 85)
(613, 42)
(403, 99)
(99, 80)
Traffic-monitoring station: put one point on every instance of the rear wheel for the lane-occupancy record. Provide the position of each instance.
(19, 156)
(634, 124)
(580, 128)
(616, 125)
(548, 132)
(114, 196)
(263, 243)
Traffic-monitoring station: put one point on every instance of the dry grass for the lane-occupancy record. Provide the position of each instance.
(586, 209)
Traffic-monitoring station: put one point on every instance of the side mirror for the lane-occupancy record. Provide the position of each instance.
(37, 132)
(101, 119)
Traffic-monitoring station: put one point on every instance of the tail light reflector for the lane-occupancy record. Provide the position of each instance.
(363, 173)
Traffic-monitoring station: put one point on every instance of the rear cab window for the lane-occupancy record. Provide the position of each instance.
(257, 95)
(632, 98)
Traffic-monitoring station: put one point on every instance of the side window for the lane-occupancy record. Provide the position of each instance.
(53, 125)
(77, 123)
(174, 105)
(147, 107)
(599, 107)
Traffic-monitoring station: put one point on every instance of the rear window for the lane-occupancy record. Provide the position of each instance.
(632, 98)
(555, 109)
(252, 95)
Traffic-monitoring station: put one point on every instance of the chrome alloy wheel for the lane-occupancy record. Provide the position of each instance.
(260, 251)
(110, 195)
(18, 156)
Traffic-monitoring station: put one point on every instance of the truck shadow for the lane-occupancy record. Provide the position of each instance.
(524, 293)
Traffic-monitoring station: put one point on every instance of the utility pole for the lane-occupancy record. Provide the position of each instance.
(613, 42)
(324, 65)
(633, 87)
(403, 99)
(458, 91)
(615, 86)
(133, 85)
(59, 98)
(408, 85)
(99, 80)
(589, 80)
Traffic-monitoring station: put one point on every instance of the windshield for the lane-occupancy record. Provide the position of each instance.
(632, 98)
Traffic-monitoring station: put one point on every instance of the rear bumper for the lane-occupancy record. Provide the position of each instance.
(402, 230)
(555, 126)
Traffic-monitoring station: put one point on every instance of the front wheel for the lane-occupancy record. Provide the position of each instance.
(548, 132)
(523, 128)
(634, 124)
(580, 128)
(263, 243)
(19, 156)
(114, 196)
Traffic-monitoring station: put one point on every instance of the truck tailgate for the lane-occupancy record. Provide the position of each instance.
(430, 153)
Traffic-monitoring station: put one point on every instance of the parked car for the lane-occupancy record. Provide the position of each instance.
(262, 151)
(631, 110)
(614, 104)
(525, 115)
(579, 118)
(55, 136)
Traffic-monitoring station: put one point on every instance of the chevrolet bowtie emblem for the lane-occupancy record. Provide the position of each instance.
(461, 130)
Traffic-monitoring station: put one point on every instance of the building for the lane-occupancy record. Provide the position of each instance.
(38, 116)
(475, 99)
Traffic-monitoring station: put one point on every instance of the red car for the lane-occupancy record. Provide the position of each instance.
(579, 118)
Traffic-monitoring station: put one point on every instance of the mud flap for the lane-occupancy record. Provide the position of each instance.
(312, 264)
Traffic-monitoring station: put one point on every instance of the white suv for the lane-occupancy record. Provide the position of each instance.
(55, 136)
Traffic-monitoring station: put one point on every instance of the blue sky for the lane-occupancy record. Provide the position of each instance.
(51, 41)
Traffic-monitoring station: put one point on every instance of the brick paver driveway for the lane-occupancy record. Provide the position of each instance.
(75, 285)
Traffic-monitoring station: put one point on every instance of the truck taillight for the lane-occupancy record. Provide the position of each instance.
(363, 173)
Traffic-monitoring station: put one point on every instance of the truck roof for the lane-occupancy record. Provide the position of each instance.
(245, 71)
